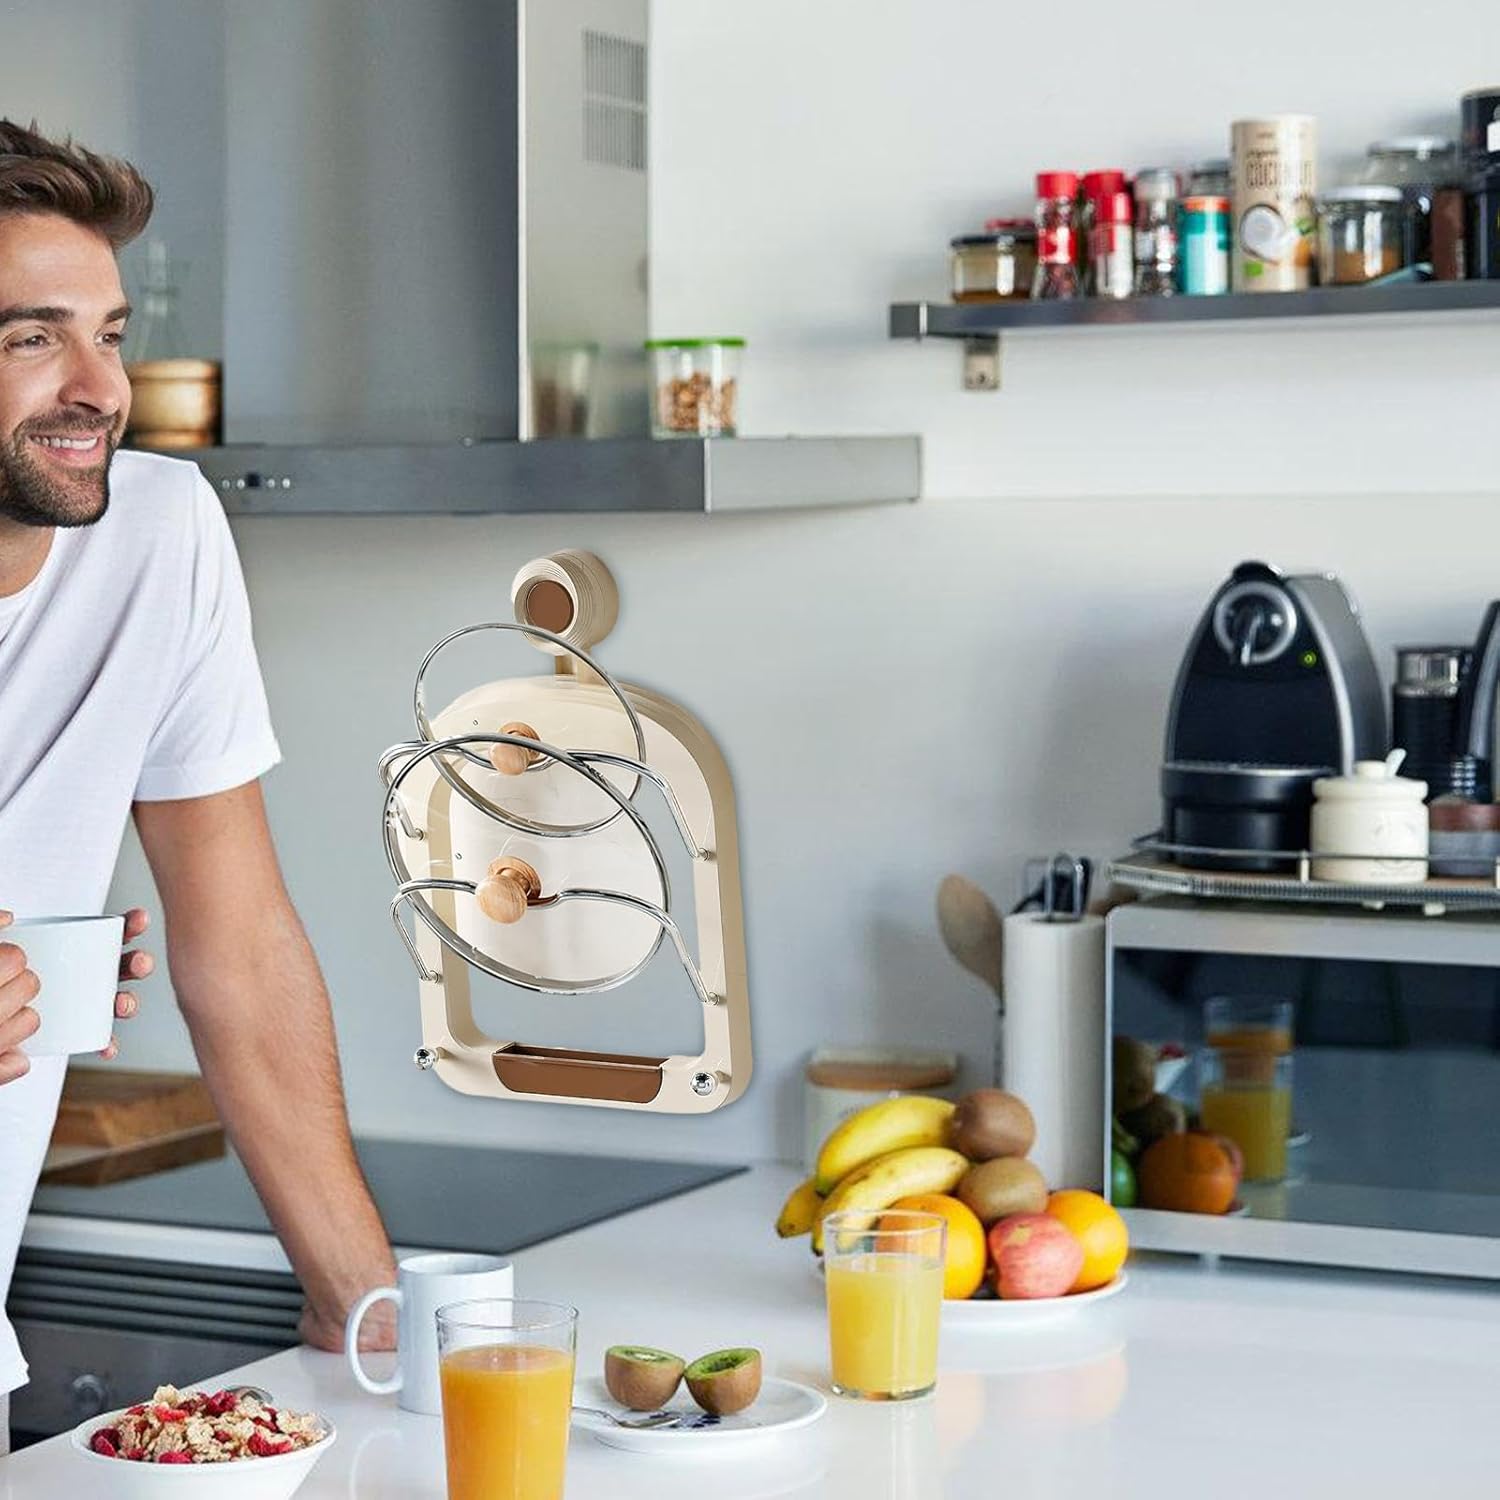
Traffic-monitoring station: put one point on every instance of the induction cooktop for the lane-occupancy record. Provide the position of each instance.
(430, 1196)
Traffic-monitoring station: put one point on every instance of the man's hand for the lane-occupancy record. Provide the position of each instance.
(19, 986)
(377, 1331)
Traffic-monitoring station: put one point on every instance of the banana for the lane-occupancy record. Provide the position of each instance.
(799, 1211)
(879, 1129)
(899, 1174)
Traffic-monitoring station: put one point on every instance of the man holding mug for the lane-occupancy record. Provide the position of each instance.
(129, 686)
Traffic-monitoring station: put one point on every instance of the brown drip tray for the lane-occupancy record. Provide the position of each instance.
(616, 1077)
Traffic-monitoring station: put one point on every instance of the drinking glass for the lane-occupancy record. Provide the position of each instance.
(1248, 1023)
(884, 1277)
(507, 1378)
(1247, 1096)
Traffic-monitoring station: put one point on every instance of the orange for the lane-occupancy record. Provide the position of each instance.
(963, 1268)
(1098, 1228)
(1191, 1173)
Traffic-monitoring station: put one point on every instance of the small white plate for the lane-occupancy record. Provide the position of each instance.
(782, 1406)
(995, 1312)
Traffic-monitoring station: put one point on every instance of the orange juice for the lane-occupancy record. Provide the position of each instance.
(1246, 1038)
(1257, 1120)
(505, 1421)
(883, 1313)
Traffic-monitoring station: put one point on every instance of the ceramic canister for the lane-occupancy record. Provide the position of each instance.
(1369, 827)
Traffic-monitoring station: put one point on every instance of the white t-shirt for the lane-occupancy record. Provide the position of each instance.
(127, 674)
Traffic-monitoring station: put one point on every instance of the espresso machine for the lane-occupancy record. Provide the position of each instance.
(1278, 687)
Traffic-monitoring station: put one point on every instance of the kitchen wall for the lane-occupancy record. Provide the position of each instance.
(905, 691)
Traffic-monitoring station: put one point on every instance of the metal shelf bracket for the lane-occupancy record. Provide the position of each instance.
(982, 363)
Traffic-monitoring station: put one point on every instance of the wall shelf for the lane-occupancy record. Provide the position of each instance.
(979, 325)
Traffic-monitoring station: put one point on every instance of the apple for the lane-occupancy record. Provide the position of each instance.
(1035, 1255)
(1235, 1155)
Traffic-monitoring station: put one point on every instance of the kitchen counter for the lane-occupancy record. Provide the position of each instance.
(1238, 1381)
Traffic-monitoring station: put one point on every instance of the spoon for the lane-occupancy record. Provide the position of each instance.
(651, 1422)
(971, 928)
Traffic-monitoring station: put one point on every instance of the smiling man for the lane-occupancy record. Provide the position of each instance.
(129, 686)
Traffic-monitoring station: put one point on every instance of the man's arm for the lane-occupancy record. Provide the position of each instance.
(256, 1006)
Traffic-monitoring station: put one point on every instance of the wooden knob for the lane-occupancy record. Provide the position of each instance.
(512, 760)
(507, 888)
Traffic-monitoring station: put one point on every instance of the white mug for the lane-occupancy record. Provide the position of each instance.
(427, 1282)
(77, 960)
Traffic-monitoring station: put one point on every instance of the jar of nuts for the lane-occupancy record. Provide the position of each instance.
(697, 386)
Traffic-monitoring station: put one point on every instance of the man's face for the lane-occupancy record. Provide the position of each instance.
(64, 397)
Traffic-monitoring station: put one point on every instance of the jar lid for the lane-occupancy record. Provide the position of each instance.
(1420, 146)
(1156, 184)
(1022, 228)
(1370, 781)
(1208, 203)
(1097, 184)
(876, 1070)
(727, 343)
(1213, 166)
(1056, 184)
(1370, 193)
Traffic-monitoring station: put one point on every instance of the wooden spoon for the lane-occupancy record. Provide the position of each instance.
(971, 928)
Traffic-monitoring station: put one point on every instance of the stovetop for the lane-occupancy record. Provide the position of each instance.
(430, 1196)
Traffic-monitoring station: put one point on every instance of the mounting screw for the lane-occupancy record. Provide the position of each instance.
(426, 1057)
(704, 1083)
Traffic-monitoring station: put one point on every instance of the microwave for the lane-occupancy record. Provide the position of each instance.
(1352, 1055)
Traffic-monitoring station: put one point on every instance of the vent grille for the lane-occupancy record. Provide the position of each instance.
(614, 101)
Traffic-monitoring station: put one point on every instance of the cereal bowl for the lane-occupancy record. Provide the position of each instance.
(272, 1478)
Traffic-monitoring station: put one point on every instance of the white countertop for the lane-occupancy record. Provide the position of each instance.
(1243, 1382)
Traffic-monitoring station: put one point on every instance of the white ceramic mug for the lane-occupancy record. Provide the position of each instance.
(426, 1283)
(77, 960)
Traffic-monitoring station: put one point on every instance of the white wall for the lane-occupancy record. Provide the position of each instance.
(954, 685)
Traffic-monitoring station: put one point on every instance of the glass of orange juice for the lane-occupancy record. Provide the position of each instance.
(506, 1369)
(1247, 1095)
(884, 1275)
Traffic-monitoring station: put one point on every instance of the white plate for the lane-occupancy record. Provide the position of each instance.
(993, 1312)
(782, 1406)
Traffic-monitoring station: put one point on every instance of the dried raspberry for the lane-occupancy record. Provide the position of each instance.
(262, 1448)
(219, 1403)
(173, 1458)
(135, 1455)
(135, 1411)
(106, 1442)
(170, 1414)
(220, 1436)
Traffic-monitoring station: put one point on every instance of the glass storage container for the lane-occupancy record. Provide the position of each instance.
(997, 265)
(1419, 165)
(1361, 234)
(696, 386)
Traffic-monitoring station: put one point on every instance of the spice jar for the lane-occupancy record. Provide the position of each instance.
(1209, 179)
(1419, 165)
(997, 265)
(1056, 251)
(697, 386)
(1111, 271)
(1156, 233)
(1205, 246)
(1096, 185)
(1360, 234)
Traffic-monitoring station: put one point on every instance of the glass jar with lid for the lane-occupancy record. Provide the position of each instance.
(1209, 179)
(1361, 234)
(696, 386)
(997, 265)
(1419, 165)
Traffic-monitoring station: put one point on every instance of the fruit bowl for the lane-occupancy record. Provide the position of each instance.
(995, 1312)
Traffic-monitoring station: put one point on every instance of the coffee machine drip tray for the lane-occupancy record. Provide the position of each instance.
(1158, 868)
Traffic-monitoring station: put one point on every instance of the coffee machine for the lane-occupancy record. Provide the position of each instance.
(1278, 688)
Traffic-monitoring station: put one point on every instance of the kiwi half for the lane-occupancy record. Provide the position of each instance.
(726, 1381)
(641, 1379)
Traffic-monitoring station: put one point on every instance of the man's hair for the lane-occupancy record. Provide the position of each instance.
(38, 176)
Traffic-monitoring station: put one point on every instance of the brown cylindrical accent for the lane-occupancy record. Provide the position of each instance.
(870, 1076)
(1449, 815)
(549, 605)
(615, 1077)
(512, 760)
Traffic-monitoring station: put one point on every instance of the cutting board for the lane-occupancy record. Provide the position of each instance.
(115, 1123)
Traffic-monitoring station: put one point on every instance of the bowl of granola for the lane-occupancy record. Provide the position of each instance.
(182, 1445)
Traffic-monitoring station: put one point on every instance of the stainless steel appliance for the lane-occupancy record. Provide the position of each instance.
(105, 1323)
(1391, 1147)
(1277, 688)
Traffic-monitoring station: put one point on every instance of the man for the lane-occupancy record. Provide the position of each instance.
(129, 684)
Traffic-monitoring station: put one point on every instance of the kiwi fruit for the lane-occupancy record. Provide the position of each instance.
(1002, 1187)
(989, 1123)
(1160, 1115)
(1133, 1070)
(726, 1381)
(642, 1379)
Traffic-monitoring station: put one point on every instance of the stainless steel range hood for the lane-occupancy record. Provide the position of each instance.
(414, 195)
